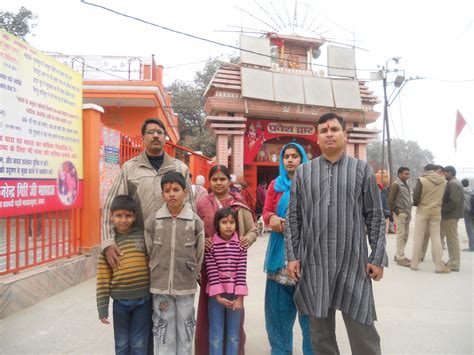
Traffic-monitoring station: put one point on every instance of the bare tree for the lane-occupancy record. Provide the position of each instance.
(404, 153)
(188, 103)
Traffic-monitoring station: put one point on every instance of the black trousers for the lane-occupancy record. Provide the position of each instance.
(363, 338)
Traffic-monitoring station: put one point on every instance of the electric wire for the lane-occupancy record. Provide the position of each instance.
(192, 63)
(135, 71)
(103, 71)
(450, 80)
(205, 39)
(92, 67)
(401, 116)
(256, 18)
(176, 79)
(268, 14)
(237, 48)
(278, 14)
(396, 135)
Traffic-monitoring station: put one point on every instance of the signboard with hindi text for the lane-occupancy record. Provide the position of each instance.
(259, 131)
(40, 131)
(109, 164)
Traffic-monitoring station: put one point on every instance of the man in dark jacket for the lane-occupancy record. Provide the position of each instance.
(399, 202)
(452, 209)
(468, 213)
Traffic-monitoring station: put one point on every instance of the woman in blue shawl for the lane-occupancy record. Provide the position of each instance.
(280, 309)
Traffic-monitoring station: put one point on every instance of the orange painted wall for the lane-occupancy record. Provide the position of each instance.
(129, 119)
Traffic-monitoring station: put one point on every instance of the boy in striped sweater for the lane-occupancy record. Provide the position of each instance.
(129, 285)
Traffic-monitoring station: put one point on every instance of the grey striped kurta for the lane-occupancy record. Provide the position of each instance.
(333, 207)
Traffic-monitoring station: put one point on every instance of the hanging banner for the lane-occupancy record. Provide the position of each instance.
(259, 131)
(40, 131)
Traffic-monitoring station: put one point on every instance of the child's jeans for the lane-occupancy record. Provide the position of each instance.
(173, 324)
(132, 322)
(221, 318)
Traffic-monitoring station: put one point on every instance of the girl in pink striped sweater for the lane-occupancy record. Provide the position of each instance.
(226, 267)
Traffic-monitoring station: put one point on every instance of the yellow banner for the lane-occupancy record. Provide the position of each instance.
(40, 114)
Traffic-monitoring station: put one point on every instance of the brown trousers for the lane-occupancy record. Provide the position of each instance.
(432, 223)
(449, 229)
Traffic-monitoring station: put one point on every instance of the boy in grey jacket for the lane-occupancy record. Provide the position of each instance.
(174, 238)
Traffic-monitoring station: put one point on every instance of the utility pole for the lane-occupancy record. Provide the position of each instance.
(387, 127)
(382, 74)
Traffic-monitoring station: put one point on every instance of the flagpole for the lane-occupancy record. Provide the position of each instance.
(469, 128)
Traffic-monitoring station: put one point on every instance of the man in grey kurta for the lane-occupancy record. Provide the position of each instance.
(334, 208)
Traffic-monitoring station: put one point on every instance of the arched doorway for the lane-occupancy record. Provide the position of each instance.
(265, 167)
(267, 160)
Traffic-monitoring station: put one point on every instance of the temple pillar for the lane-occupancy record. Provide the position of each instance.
(362, 152)
(350, 150)
(238, 155)
(222, 148)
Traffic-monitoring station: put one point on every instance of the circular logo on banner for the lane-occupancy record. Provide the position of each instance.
(67, 183)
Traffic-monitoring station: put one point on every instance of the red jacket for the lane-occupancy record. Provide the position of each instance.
(261, 193)
(271, 202)
(248, 198)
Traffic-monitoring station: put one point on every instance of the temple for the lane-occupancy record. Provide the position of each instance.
(276, 95)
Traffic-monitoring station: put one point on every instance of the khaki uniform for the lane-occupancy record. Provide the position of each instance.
(428, 216)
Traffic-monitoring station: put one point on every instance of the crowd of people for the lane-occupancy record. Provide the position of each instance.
(162, 236)
(440, 200)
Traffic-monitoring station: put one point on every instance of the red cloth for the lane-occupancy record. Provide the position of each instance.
(271, 202)
(261, 193)
(248, 198)
(206, 209)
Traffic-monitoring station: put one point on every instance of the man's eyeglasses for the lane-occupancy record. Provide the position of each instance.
(153, 132)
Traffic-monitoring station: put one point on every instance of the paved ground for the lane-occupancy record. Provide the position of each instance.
(419, 313)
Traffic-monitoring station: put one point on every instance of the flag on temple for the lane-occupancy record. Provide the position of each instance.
(460, 123)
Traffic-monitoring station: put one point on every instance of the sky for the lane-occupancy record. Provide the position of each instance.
(434, 38)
